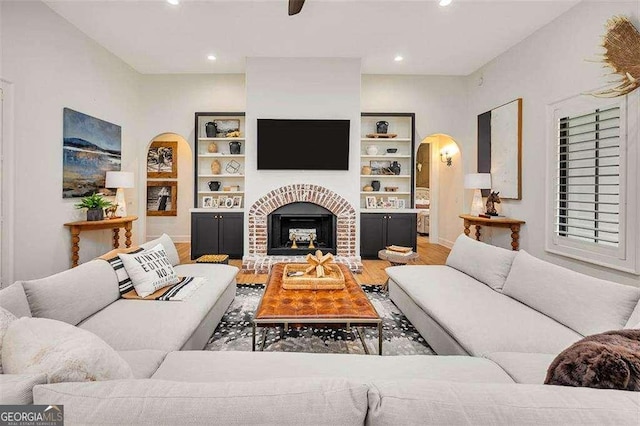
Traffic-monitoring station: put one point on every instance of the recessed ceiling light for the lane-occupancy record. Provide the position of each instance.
(211, 57)
(398, 58)
(445, 2)
(173, 2)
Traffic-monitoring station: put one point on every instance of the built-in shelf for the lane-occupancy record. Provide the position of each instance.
(222, 176)
(221, 139)
(385, 192)
(386, 139)
(221, 192)
(214, 210)
(221, 155)
(386, 176)
(386, 156)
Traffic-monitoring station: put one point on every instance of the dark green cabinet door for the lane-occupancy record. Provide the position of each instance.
(372, 234)
(231, 238)
(204, 234)
(402, 230)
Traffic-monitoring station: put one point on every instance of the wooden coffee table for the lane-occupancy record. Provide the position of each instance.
(348, 307)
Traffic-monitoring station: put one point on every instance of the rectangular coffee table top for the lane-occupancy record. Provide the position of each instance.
(280, 305)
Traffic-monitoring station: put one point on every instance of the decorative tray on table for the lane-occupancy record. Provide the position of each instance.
(333, 279)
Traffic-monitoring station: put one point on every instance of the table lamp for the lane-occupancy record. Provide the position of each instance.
(477, 181)
(120, 180)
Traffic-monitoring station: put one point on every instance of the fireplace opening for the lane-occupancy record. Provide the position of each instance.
(303, 222)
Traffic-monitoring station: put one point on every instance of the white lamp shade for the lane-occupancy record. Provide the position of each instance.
(119, 180)
(477, 181)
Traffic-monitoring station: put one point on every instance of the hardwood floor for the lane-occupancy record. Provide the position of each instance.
(373, 271)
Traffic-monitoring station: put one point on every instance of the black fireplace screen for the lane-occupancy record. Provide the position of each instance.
(301, 228)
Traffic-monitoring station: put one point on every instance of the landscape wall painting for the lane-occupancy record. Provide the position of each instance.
(91, 148)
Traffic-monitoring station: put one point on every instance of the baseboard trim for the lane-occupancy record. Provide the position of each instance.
(175, 238)
(446, 243)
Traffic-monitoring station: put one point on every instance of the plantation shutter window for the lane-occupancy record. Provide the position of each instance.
(592, 181)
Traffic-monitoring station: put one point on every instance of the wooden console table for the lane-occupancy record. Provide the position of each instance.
(85, 225)
(498, 222)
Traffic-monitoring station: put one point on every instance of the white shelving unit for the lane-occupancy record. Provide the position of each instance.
(223, 155)
(403, 126)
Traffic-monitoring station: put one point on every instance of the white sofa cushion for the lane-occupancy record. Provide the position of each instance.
(585, 304)
(528, 368)
(61, 351)
(159, 402)
(143, 362)
(6, 318)
(75, 294)
(223, 366)
(480, 319)
(17, 389)
(149, 270)
(634, 319)
(486, 263)
(448, 403)
(14, 300)
(164, 326)
(168, 245)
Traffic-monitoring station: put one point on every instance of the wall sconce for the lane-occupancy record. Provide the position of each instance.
(447, 153)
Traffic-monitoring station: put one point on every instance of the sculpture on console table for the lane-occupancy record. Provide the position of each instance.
(493, 199)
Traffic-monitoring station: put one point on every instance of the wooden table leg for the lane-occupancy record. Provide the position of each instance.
(515, 237)
(116, 238)
(127, 234)
(478, 227)
(75, 246)
(467, 225)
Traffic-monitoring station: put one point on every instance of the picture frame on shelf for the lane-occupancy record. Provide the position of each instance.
(237, 201)
(162, 197)
(386, 204)
(370, 202)
(226, 125)
(228, 203)
(401, 203)
(162, 160)
(222, 200)
(393, 202)
(207, 201)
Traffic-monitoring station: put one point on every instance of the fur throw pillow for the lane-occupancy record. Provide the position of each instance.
(6, 318)
(608, 360)
(61, 351)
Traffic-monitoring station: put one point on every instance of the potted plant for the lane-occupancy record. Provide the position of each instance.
(95, 205)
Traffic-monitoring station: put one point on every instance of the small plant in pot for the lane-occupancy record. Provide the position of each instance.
(95, 205)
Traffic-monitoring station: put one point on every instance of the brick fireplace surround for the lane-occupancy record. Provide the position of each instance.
(257, 261)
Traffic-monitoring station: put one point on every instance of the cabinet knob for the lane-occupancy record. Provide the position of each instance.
(215, 217)
(389, 217)
(220, 216)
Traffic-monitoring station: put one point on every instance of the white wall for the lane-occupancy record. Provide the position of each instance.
(53, 65)
(168, 104)
(302, 88)
(547, 67)
(440, 105)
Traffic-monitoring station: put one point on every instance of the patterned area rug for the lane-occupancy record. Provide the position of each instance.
(234, 331)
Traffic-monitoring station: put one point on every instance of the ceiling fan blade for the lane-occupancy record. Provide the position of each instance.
(295, 6)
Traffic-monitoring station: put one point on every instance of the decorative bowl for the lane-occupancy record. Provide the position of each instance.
(392, 150)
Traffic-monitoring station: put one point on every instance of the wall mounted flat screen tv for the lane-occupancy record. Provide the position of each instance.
(303, 144)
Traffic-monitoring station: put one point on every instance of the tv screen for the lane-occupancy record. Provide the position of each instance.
(303, 144)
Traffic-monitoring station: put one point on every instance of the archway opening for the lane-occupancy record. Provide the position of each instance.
(167, 193)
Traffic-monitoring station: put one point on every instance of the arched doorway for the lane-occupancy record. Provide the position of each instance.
(167, 187)
(444, 193)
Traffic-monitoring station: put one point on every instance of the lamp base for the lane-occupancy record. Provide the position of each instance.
(477, 207)
(122, 204)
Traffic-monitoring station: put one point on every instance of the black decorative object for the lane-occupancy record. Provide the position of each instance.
(375, 184)
(235, 147)
(382, 127)
(395, 168)
(95, 214)
(214, 185)
(492, 200)
(211, 129)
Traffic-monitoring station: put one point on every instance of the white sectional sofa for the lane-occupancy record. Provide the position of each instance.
(500, 349)
(510, 307)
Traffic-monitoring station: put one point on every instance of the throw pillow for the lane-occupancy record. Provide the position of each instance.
(149, 270)
(63, 352)
(608, 360)
(6, 318)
